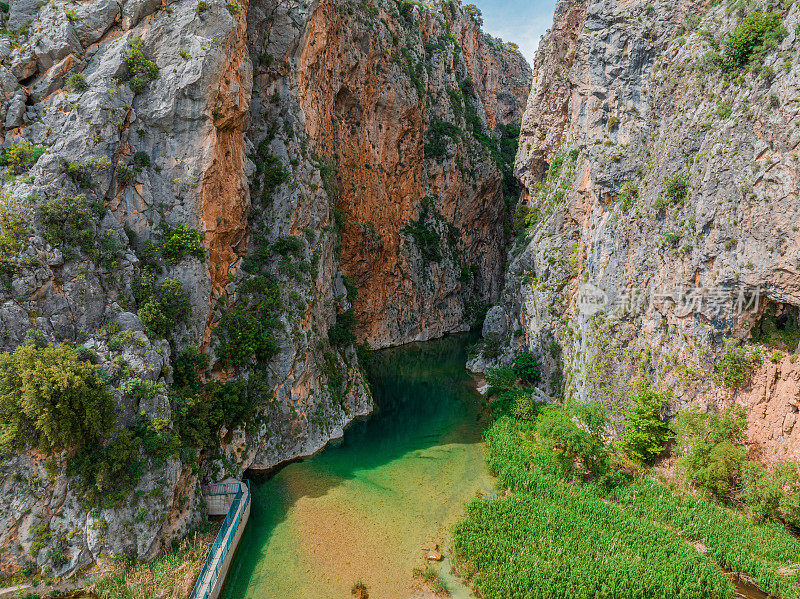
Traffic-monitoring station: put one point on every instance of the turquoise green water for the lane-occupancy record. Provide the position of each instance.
(370, 506)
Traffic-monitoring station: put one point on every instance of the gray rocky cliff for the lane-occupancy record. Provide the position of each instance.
(660, 190)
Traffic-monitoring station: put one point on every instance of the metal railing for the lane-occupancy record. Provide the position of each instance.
(220, 489)
(222, 543)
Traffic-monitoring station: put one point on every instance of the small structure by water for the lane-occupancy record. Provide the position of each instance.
(233, 499)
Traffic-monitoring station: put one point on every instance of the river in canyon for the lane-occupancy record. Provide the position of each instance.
(369, 506)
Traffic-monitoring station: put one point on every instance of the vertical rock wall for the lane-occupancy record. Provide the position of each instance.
(663, 186)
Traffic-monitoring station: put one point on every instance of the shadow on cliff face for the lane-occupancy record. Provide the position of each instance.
(399, 461)
(778, 326)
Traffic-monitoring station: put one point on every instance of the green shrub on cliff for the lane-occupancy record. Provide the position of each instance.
(107, 472)
(14, 229)
(162, 307)
(21, 156)
(246, 330)
(181, 241)
(628, 195)
(140, 69)
(527, 368)
(735, 366)
(712, 448)
(646, 431)
(757, 34)
(69, 222)
(51, 397)
(342, 331)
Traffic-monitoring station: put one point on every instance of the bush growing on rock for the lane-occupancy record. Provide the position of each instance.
(424, 233)
(141, 70)
(527, 368)
(628, 196)
(13, 231)
(68, 221)
(162, 308)
(245, 331)
(107, 472)
(758, 33)
(141, 159)
(525, 217)
(52, 397)
(712, 448)
(287, 244)
(508, 396)
(646, 432)
(76, 83)
(676, 188)
(341, 333)
(735, 366)
(79, 174)
(139, 389)
(21, 156)
(181, 241)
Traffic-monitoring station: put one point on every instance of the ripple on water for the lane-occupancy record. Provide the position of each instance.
(366, 508)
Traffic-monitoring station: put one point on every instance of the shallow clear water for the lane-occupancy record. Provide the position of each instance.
(369, 506)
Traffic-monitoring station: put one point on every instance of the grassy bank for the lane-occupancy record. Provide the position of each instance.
(556, 536)
(170, 576)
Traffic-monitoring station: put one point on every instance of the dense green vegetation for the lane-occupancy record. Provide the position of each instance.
(68, 222)
(140, 69)
(51, 397)
(757, 34)
(575, 523)
(764, 551)
(201, 407)
(21, 156)
(553, 539)
(646, 432)
(735, 365)
(181, 241)
(772, 494)
(162, 306)
(14, 228)
(107, 472)
(246, 330)
(712, 448)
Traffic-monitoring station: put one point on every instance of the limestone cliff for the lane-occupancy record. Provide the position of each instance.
(401, 101)
(213, 202)
(659, 163)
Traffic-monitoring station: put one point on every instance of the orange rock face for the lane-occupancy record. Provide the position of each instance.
(772, 404)
(369, 95)
(225, 192)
